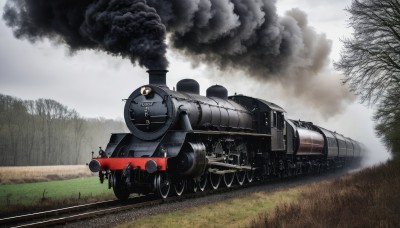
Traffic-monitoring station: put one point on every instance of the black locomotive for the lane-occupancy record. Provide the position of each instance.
(181, 141)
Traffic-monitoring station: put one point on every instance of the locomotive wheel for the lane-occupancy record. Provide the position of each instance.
(179, 187)
(110, 180)
(318, 169)
(241, 177)
(250, 175)
(162, 185)
(192, 186)
(228, 179)
(215, 180)
(290, 172)
(299, 170)
(202, 183)
(289, 169)
(120, 191)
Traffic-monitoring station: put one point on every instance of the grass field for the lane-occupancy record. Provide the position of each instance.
(237, 212)
(368, 198)
(44, 187)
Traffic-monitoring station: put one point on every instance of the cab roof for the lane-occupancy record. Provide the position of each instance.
(270, 105)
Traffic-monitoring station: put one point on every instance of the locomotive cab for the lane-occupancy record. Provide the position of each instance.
(269, 119)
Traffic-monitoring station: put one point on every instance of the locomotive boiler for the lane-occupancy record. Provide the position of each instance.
(180, 140)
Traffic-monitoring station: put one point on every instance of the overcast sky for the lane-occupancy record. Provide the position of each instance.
(94, 83)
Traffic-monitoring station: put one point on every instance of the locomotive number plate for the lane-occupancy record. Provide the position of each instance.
(146, 104)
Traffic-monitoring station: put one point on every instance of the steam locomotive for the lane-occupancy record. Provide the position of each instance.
(182, 141)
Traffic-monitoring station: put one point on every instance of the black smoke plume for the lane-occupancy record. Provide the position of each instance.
(128, 28)
(244, 35)
(239, 33)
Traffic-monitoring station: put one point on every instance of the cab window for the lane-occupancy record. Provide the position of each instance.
(281, 121)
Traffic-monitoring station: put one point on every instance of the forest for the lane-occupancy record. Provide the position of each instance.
(46, 132)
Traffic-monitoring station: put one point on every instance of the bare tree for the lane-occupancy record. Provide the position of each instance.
(371, 62)
(13, 117)
(31, 130)
(371, 59)
(388, 117)
(78, 133)
(45, 132)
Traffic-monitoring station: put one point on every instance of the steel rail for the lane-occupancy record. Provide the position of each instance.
(90, 214)
(14, 220)
(53, 212)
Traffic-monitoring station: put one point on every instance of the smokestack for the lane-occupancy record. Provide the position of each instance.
(157, 77)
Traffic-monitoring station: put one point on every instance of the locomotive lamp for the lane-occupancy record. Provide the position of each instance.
(145, 90)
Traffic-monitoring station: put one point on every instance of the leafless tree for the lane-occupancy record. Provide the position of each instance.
(371, 60)
(31, 129)
(388, 118)
(78, 133)
(45, 132)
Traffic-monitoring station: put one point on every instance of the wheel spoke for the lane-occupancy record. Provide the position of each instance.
(215, 180)
(241, 177)
(250, 175)
(162, 185)
(179, 187)
(192, 186)
(228, 179)
(202, 183)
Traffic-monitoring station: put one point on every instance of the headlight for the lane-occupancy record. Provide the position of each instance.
(145, 90)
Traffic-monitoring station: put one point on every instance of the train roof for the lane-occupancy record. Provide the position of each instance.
(270, 105)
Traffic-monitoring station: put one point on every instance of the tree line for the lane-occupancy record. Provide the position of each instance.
(45, 132)
(371, 63)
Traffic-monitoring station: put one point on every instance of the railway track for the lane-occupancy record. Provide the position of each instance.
(68, 214)
(86, 211)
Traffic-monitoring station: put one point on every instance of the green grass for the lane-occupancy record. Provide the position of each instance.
(238, 212)
(30, 195)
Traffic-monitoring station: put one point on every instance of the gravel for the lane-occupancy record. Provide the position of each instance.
(127, 216)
